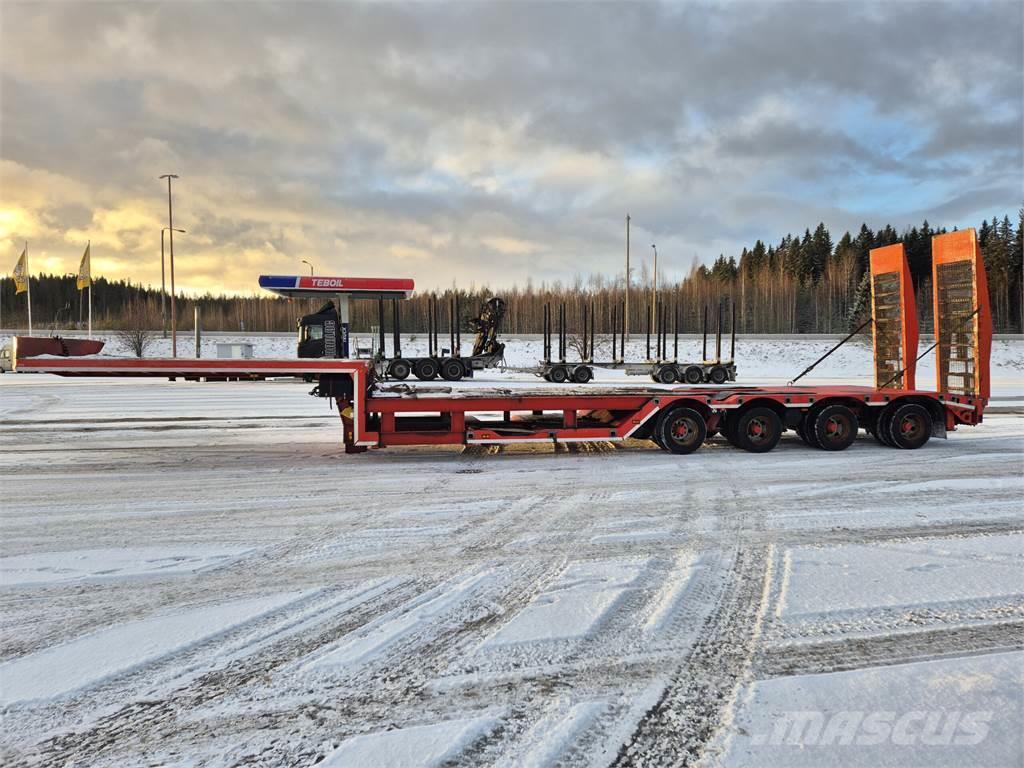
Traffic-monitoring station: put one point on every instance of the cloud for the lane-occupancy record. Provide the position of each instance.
(489, 143)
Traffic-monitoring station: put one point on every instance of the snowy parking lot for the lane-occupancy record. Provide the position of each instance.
(196, 574)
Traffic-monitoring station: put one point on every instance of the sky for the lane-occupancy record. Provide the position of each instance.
(477, 143)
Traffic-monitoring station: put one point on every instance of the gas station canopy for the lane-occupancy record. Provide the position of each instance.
(309, 286)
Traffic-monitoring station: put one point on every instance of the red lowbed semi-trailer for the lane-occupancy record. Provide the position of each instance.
(677, 419)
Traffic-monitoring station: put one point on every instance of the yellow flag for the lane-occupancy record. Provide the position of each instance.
(20, 273)
(85, 270)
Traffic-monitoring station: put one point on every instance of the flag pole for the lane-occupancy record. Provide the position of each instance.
(88, 247)
(28, 288)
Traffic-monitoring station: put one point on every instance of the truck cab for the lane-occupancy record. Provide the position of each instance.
(320, 333)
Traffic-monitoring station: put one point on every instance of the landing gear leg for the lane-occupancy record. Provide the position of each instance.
(348, 428)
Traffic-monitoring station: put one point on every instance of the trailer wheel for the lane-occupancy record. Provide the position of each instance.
(452, 370)
(559, 374)
(729, 428)
(718, 375)
(693, 375)
(400, 369)
(681, 430)
(667, 374)
(425, 369)
(582, 374)
(910, 426)
(805, 429)
(835, 428)
(880, 429)
(758, 430)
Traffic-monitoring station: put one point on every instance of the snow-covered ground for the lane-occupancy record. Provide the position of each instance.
(196, 574)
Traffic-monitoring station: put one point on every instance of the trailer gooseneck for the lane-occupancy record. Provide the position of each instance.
(677, 419)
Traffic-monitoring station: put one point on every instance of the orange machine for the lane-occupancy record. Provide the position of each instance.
(963, 321)
(894, 311)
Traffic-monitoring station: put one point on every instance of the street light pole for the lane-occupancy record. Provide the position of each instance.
(170, 227)
(654, 285)
(625, 329)
(163, 283)
(163, 286)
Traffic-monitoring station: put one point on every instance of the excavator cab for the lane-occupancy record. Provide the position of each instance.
(320, 333)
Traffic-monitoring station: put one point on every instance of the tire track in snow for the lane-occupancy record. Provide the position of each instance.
(144, 724)
(900, 618)
(372, 691)
(695, 704)
(884, 650)
(375, 694)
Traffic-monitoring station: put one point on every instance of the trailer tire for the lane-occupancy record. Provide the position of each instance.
(582, 374)
(910, 426)
(559, 374)
(452, 369)
(681, 430)
(758, 430)
(718, 375)
(667, 374)
(400, 369)
(805, 429)
(880, 429)
(728, 430)
(799, 429)
(835, 428)
(693, 375)
(425, 369)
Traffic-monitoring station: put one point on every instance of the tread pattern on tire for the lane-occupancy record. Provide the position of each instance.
(881, 428)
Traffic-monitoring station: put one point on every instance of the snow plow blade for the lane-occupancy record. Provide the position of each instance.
(963, 321)
(894, 316)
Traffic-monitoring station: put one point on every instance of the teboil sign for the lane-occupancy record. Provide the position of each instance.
(305, 285)
(322, 282)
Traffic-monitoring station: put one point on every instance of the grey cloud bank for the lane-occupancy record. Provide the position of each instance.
(491, 142)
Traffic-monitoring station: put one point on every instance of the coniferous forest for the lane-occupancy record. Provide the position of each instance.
(804, 283)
